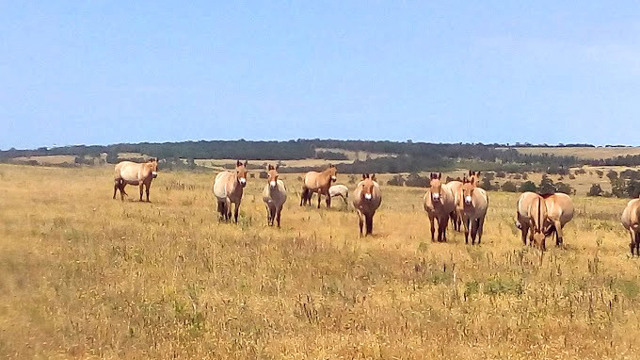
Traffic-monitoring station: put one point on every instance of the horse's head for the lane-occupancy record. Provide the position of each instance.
(241, 172)
(333, 173)
(152, 165)
(468, 186)
(435, 187)
(272, 175)
(367, 185)
(474, 176)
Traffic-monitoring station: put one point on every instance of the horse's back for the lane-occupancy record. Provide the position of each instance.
(128, 171)
(220, 185)
(338, 190)
(560, 207)
(631, 215)
(311, 180)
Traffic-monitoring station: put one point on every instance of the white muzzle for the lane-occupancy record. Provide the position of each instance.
(333, 178)
(273, 184)
(243, 181)
(436, 197)
(154, 174)
(467, 200)
(368, 196)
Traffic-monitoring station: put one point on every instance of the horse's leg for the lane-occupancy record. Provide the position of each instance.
(465, 223)
(116, 185)
(369, 221)
(303, 196)
(328, 199)
(558, 231)
(235, 213)
(148, 185)
(480, 229)
(432, 227)
(278, 212)
(122, 192)
(638, 244)
(141, 186)
(360, 221)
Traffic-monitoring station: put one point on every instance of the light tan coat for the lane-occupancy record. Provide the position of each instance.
(318, 182)
(523, 218)
(559, 212)
(631, 222)
(366, 200)
(439, 203)
(228, 188)
(274, 195)
(131, 173)
(475, 203)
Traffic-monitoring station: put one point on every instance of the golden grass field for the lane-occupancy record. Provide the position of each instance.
(582, 152)
(85, 276)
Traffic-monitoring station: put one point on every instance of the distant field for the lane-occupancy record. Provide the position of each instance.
(356, 155)
(49, 160)
(582, 152)
(85, 276)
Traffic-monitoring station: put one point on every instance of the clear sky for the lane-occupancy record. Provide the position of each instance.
(101, 72)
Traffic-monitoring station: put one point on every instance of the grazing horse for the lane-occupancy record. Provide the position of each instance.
(339, 190)
(130, 173)
(456, 215)
(523, 217)
(631, 222)
(474, 209)
(439, 203)
(274, 195)
(318, 182)
(228, 188)
(366, 199)
(559, 212)
(537, 222)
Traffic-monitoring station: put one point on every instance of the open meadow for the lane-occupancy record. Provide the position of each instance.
(85, 276)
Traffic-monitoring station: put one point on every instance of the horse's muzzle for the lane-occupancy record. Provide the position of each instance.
(368, 196)
(333, 178)
(243, 182)
(154, 174)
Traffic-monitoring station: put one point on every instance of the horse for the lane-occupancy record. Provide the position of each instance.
(474, 176)
(631, 222)
(456, 215)
(366, 199)
(439, 203)
(537, 222)
(274, 195)
(474, 209)
(318, 182)
(559, 212)
(130, 173)
(228, 188)
(339, 190)
(523, 217)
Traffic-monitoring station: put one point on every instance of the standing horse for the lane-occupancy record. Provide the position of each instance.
(274, 195)
(318, 182)
(439, 203)
(559, 212)
(366, 199)
(228, 188)
(523, 217)
(130, 173)
(537, 222)
(339, 190)
(474, 209)
(631, 222)
(456, 215)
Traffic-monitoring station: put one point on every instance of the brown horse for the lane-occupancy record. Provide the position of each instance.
(439, 203)
(228, 188)
(366, 199)
(318, 182)
(456, 215)
(559, 212)
(631, 222)
(523, 217)
(130, 173)
(475, 203)
(537, 222)
(274, 195)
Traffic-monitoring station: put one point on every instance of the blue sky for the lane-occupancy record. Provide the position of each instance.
(101, 72)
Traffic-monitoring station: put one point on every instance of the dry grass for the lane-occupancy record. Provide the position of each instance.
(583, 152)
(49, 159)
(85, 276)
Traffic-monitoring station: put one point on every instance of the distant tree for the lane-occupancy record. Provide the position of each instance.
(112, 157)
(595, 190)
(528, 186)
(517, 177)
(633, 189)
(501, 174)
(263, 175)
(509, 187)
(564, 188)
(546, 185)
(396, 180)
(486, 184)
(612, 175)
(416, 180)
(618, 188)
(525, 176)
(600, 173)
(572, 177)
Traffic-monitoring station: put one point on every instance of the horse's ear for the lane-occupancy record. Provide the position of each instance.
(246, 162)
(364, 176)
(439, 175)
(478, 173)
(373, 177)
(277, 166)
(269, 167)
(238, 163)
